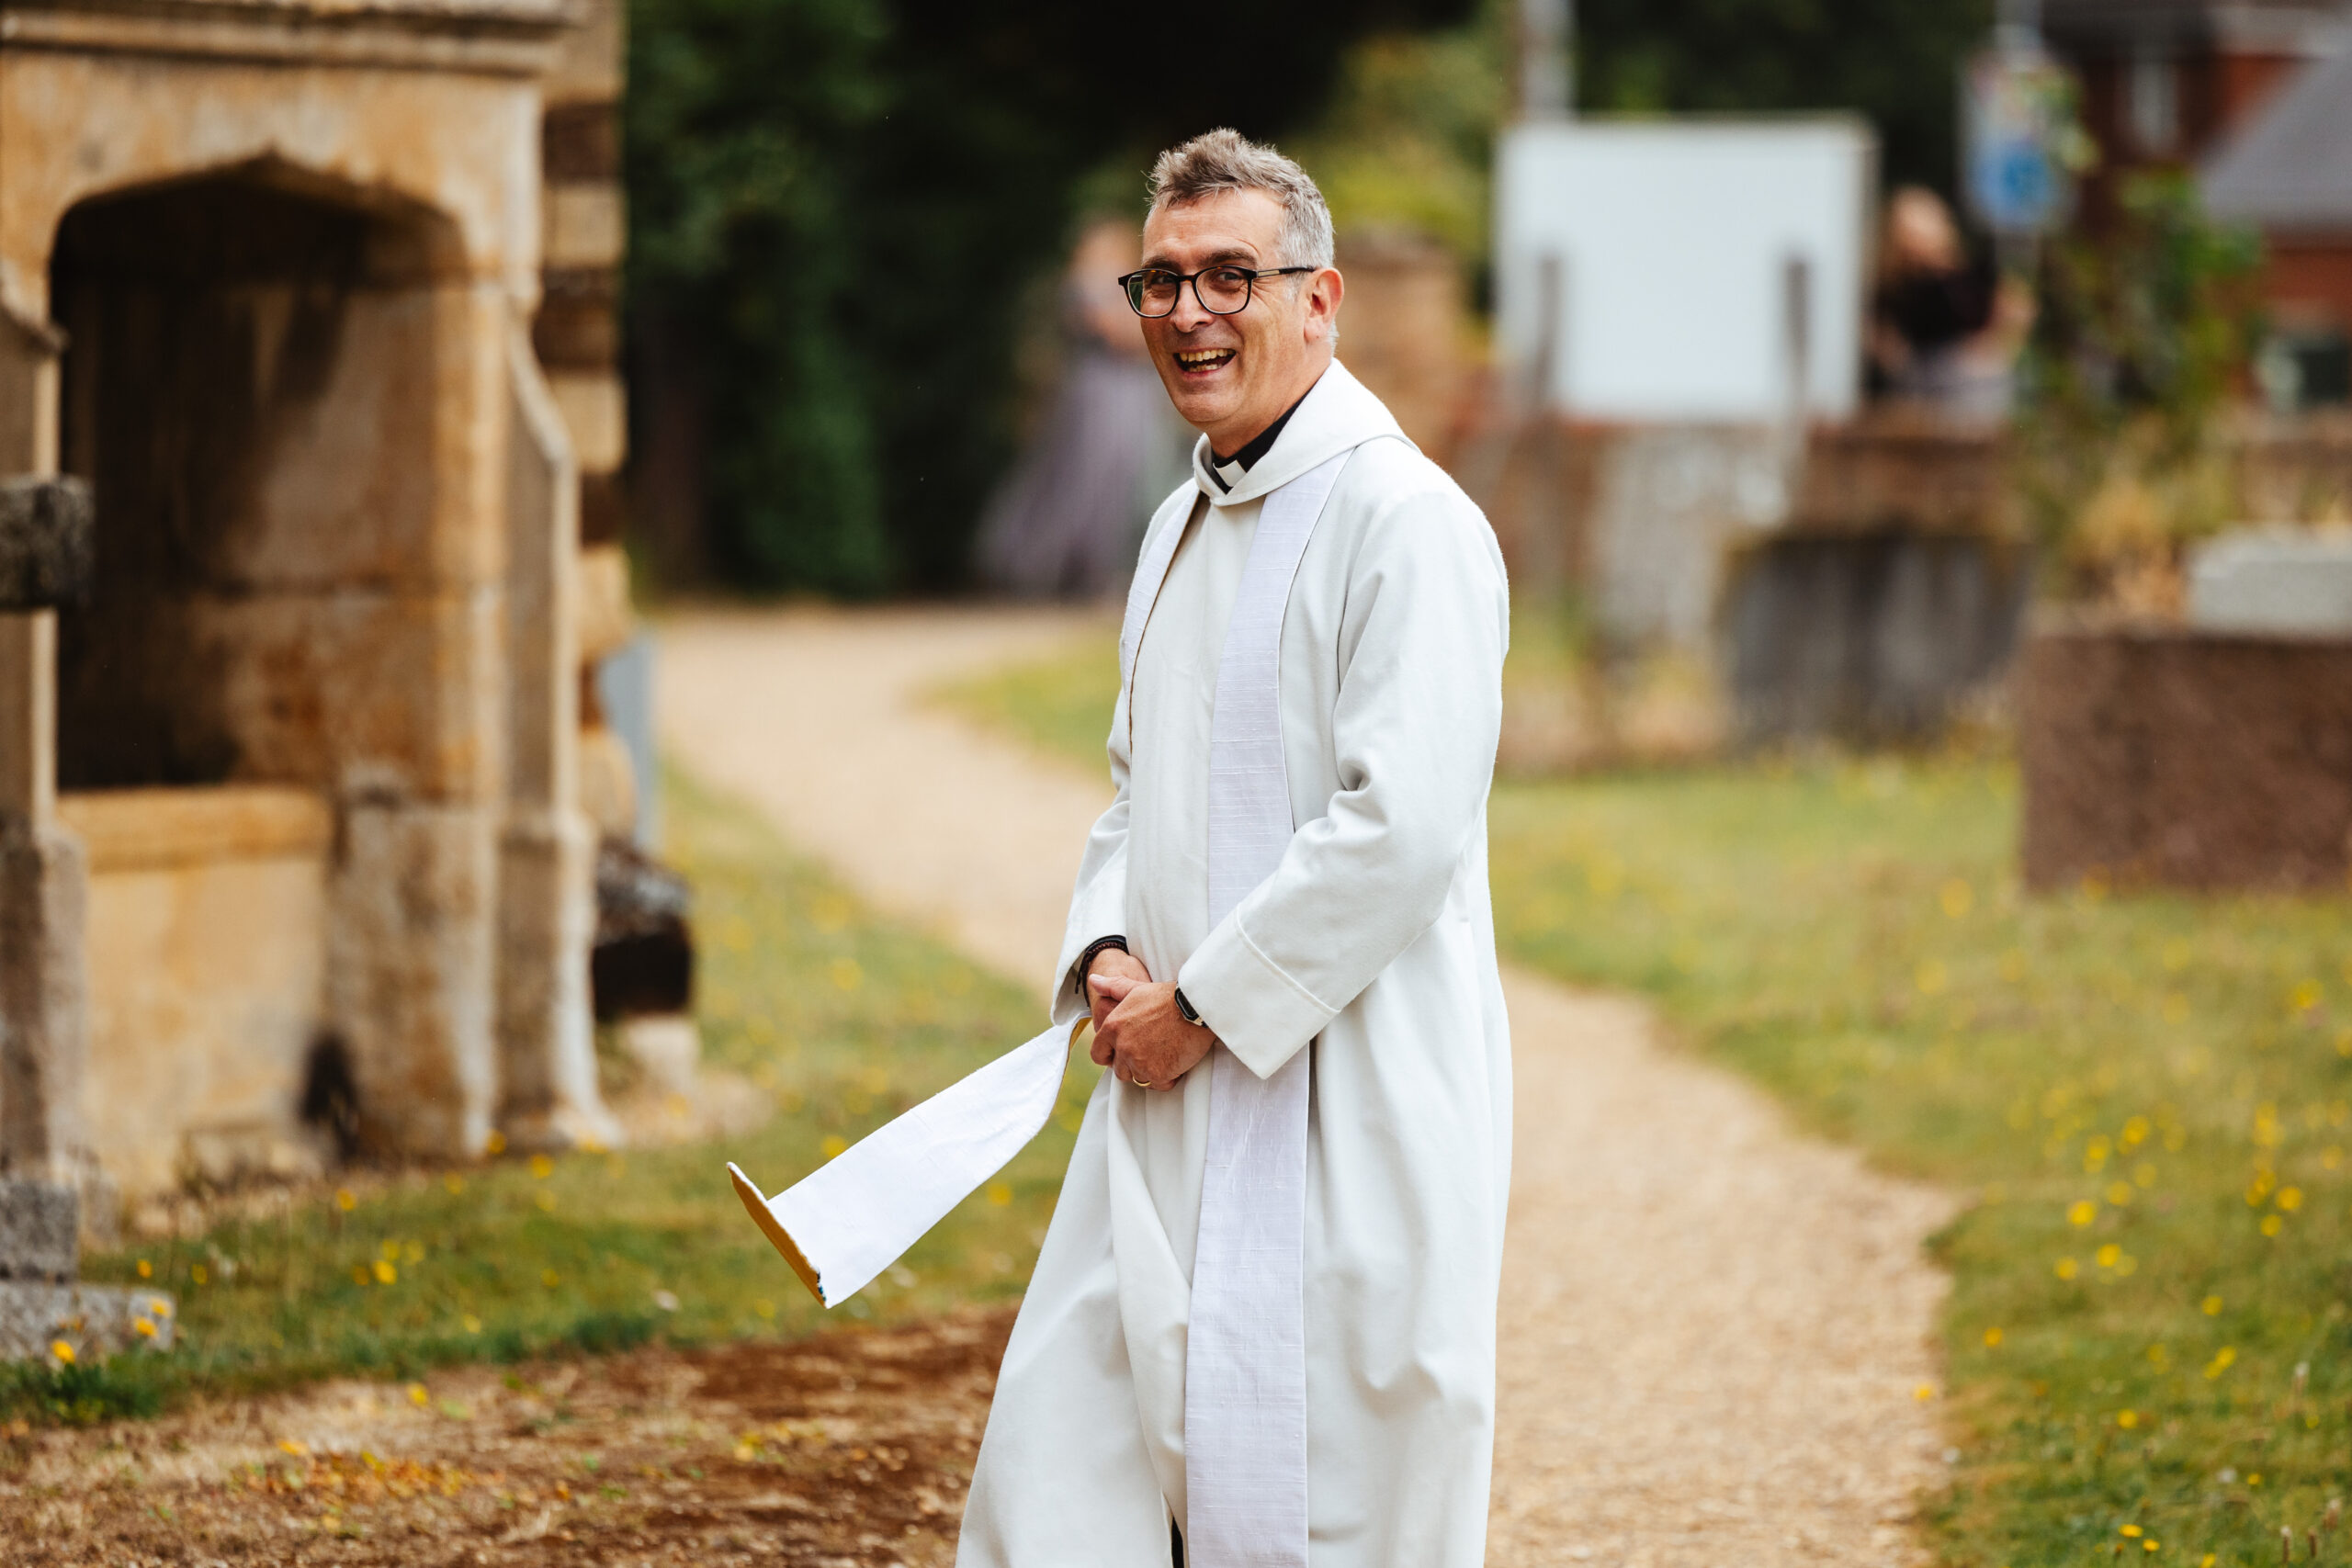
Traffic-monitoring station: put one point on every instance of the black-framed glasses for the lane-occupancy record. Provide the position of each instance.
(1223, 290)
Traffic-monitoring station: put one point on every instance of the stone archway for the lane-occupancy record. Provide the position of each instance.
(305, 730)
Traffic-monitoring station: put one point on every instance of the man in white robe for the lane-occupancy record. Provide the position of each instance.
(1370, 946)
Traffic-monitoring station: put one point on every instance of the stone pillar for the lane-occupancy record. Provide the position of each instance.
(546, 852)
(43, 878)
(411, 965)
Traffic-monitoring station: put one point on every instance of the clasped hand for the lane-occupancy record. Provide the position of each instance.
(1139, 1033)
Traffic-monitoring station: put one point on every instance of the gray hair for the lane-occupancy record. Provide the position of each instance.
(1226, 160)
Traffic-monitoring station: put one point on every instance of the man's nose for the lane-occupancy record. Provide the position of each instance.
(1190, 314)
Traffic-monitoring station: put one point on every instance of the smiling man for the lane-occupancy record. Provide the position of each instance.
(1262, 1329)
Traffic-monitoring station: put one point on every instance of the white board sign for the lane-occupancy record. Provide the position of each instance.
(1660, 271)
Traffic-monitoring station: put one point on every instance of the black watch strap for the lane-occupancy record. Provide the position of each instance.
(1086, 960)
(1184, 1005)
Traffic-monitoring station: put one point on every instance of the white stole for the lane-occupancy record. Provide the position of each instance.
(1245, 1382)
(1245, 1363)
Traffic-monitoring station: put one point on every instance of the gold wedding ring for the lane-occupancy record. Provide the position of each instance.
(1141, 1083)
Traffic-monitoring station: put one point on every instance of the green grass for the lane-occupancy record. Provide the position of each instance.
(2144, 1098)
(846, 1017)
(1060, 705)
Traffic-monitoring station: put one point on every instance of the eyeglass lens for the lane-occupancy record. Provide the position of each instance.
(1222, 290)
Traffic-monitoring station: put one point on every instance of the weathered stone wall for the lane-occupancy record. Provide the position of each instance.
(206, 947)
(2193, 760)
(1401, 332)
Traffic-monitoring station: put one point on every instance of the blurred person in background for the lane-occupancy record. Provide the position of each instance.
(1067, 518)
(1944, 330)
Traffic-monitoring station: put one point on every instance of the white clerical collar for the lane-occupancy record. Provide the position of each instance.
(1228, 471)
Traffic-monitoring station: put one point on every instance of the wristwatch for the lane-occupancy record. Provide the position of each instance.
(1184, 1005)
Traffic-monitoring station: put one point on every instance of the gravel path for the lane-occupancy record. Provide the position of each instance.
(1715, 1333)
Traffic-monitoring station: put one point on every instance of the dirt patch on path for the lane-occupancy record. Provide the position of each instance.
(849, 1451)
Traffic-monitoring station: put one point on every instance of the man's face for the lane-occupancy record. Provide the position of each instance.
(1230, 377)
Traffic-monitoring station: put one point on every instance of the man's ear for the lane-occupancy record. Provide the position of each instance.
(1324, 292)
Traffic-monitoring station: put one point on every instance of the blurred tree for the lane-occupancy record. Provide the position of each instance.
(2145, 333)
(835, 207)
(1896, 62)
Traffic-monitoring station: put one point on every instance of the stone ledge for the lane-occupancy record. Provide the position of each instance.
(135, 829)
(96, 1320)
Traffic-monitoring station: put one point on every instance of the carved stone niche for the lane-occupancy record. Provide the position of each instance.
(46, 543)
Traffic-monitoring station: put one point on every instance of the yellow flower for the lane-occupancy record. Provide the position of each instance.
(2222, 1360)
(2109, 1253)
(495, 1144)
(291, 1446)
(160, 1305)
(61, 1350)
(469, 1323)
(2127, 1419)
(550, 1278)
(2119, 1193)
(2083, 1212)
(541, 1166)
(454, 1182)
(2272, 1224)
(146, 1269)
(766, 1309)
(417, 1397)
(2066, 1270)
(1957, 897)
(1992, 1337)
(834, 1145)
(2132, 1530)
(385, 1272)
(2304, 997)
(2150, 1544)
(345, 1199)
(144, 1329)
(2289, 1199)
(2212, 1306)
(1925, 1392)
(1000, 1193)
(359, 1274)
(197, 1274)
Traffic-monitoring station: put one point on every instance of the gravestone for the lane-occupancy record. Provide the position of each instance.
(41, 1306)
